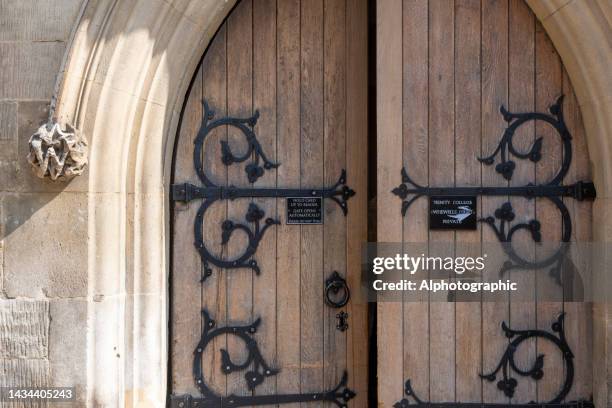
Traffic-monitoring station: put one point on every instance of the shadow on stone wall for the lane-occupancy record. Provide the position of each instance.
(39, 227)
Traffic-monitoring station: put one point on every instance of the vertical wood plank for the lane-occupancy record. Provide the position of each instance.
(441, 158)
(239, 103)
(185, 318)
(264, 99)
(579, 315)
(334, 155)
(357, 174)
(415, 158)
(467, 173)
(288, 313)
(214, 299)
(389, 162)
(311, 175)
(549, 293)
(494, 94)
(521, 89)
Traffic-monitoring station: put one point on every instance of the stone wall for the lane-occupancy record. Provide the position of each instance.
(43, 250)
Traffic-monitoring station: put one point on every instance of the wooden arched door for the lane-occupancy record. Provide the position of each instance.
(444, 69)
(259, 186)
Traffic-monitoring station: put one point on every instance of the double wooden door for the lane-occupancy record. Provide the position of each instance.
(250, 324)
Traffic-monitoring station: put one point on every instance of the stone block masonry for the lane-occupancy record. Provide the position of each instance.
(33, 40)
(24, 343)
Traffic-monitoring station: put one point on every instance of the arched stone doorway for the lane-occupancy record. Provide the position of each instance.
(146, 52)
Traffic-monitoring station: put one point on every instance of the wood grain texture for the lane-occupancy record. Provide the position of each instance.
(389, 162)
(357, 172)
(549, 294)
(288, 236)
(264, 100)
(415, 127)
(334, 161)
(579, 315)
(494, 93)
(467, 173)
(214, 290)
(442, 172)
(186, 322)
(521, 89)
(311, 174)
(239, 103)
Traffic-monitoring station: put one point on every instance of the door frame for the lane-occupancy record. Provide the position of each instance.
(130, 117)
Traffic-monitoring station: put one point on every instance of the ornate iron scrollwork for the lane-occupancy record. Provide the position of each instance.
(552, 190)
(339, 395)
(254, 227)
(209, 192)
(507, 384)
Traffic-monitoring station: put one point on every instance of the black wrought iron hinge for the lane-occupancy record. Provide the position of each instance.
(339, 395)
(209, 192)
(257, 369)
(553, 190)
(507, 384)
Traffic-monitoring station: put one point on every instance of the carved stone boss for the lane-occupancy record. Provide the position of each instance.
(57, 153)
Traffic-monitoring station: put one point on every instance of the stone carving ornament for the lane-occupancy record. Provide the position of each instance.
(57, 153)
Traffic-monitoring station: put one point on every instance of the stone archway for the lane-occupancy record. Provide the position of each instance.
(125, 78)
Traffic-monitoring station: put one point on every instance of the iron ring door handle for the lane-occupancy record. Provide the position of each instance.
(334, 285)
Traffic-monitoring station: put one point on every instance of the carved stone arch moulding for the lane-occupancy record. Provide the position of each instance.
(122, 87)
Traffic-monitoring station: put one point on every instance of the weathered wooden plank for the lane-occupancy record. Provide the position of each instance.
(468, 363)
(549, 293)
(334, 161)
(239, 103)
(214, 290)
(415, 158)
(442, 160)
(264, 99)
(288, 236)
(357, 173)
(311, 174)
(579, 315)
(389, 162)
(494, 93)
(521, 89)
(186, 319)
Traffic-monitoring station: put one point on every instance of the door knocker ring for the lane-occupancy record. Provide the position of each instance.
(334, 285)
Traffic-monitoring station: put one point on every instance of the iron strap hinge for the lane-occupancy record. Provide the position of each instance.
(503, 221)
(581, 190)
(256, 222)
(254, 226)
(187, 192)
(188, 401)
(507, 369)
